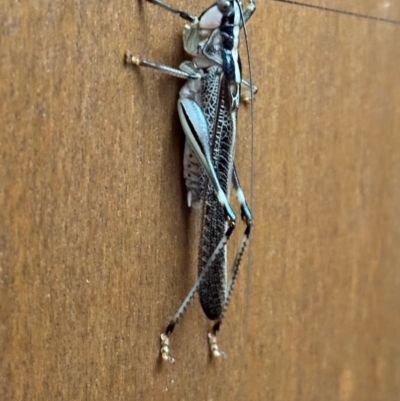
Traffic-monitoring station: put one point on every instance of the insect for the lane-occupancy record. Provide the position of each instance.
(207, 106)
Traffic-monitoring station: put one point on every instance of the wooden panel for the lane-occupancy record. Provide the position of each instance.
(372, 9)
(96, 238)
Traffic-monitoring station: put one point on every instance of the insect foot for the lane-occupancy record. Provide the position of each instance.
(131, 59)
(165, 355)
(215, 351)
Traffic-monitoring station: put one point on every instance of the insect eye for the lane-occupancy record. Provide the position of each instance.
(224, 6)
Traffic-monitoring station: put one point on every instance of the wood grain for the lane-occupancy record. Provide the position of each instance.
(362, 8)
(97, 241)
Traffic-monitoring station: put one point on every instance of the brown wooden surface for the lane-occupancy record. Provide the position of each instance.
(96, 236)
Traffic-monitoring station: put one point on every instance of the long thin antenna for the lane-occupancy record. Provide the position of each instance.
(250, 248)
(251, 103)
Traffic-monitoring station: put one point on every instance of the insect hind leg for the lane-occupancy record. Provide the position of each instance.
(165, 349)
(248, 219)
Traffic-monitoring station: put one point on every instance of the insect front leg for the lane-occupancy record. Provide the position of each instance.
(183, 72)
(247, 92)
(248, 220)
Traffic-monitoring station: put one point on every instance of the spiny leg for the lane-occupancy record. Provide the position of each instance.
(165, 351)
(248, 219)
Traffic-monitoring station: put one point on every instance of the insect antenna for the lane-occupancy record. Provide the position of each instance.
(250, 248)
(246, 38)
